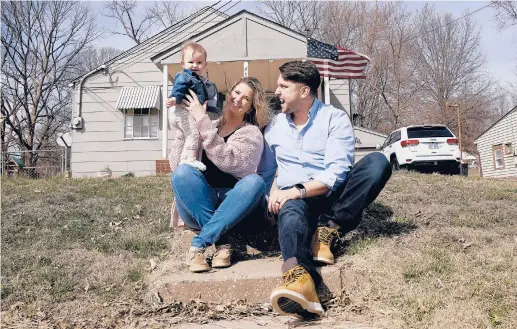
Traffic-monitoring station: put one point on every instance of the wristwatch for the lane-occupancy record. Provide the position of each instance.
(301, 188)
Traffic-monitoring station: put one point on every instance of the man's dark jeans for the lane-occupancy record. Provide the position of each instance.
(298, 219)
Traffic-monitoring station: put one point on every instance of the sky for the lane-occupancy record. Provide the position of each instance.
(499, 47)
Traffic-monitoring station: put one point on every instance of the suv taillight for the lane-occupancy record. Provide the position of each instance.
(452, 141)
(409, 142)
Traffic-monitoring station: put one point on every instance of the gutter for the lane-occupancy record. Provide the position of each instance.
(77, 121)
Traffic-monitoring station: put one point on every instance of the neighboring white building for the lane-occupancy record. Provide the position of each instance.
(118, 115)
(497, 147)
(366, 141)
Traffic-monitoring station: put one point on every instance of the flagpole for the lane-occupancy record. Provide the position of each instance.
(327, 90)
(350, 100)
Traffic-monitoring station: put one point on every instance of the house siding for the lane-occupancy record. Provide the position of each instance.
(101, 142)
(247, 36)
(339, 94)
(504, 131)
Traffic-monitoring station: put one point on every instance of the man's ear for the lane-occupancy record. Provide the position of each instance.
(305, 91)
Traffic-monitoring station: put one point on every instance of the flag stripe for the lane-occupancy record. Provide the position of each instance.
(336, 62)
(333, 74)
(338, 70)
(318, 61)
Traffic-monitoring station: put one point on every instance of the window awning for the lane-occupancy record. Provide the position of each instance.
(139, 98)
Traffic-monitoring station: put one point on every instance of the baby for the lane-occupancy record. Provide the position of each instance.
(193, 61)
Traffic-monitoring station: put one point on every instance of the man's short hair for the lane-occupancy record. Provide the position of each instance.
(302, 72)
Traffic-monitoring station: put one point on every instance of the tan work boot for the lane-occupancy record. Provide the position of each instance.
(222, 256)
(196, 260)
(321, 243)
(297, 296)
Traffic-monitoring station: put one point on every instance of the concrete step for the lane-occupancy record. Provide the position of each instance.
(249, 280)
(276, 323)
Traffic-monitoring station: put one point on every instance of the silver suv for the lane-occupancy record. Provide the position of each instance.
(429, 148)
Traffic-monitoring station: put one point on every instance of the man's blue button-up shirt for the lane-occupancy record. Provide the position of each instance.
(322, 150)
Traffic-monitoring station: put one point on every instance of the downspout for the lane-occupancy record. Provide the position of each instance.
(77, 124)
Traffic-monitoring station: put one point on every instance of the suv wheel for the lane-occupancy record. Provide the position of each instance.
(394, 163)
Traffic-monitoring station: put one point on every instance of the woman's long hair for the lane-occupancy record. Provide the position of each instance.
(259, 114)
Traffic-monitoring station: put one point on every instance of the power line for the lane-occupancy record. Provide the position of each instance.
(140, 52)
(429, 31)
(444, 25)
(193, 26)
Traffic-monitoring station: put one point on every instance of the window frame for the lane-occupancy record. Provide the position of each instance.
(495, 149)
(150, 124)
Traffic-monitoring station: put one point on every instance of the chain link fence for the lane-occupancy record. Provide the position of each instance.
(34, 164)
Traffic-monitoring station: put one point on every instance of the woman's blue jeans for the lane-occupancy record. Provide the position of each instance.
(214, 211)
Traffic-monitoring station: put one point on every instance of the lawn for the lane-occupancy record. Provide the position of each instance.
(433, 252)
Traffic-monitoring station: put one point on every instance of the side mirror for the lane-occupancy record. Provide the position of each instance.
(378, 147)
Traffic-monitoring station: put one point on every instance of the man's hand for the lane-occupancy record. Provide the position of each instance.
(171, 101)
(280, 197)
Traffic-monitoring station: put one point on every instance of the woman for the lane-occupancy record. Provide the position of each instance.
(229, 190)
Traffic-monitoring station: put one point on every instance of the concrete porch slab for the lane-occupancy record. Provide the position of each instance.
(249, 280)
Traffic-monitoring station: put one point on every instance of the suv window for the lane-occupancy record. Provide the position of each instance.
(387, 141)
(396, 136)
(428, 131)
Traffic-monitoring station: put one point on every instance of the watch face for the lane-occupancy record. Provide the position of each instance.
(300, 186)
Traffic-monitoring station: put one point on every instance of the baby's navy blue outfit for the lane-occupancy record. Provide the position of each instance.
(205, 90)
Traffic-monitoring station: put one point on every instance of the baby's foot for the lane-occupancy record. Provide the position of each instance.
(198, 165)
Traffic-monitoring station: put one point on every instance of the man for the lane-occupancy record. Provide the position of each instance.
(315, 184)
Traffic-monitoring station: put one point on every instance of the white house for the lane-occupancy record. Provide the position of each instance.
(497, 147)
(366, 141)
(118, 117)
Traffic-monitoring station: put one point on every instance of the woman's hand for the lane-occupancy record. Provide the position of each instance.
(191, 103)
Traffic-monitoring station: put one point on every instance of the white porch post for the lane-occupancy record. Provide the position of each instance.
(165, 111)
(327, 90)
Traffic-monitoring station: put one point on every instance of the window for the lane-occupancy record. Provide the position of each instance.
(141, 123)
(428, 131)
(497, 152)
(387, 141)
(396, 136)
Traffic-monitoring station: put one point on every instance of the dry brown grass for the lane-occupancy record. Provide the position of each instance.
(457, 269)
(443, 255)
(76, 245)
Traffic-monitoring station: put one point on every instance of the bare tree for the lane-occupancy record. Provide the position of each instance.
(166, 13)
(138, 23)
(392, 72)
(449, 56)
(302, 16)
(506, 13)
(92, 57)
(40, 44)
(124, 12)
(343, 23)
(451, 61)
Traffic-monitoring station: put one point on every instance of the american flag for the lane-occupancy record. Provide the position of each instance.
(336, 62)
